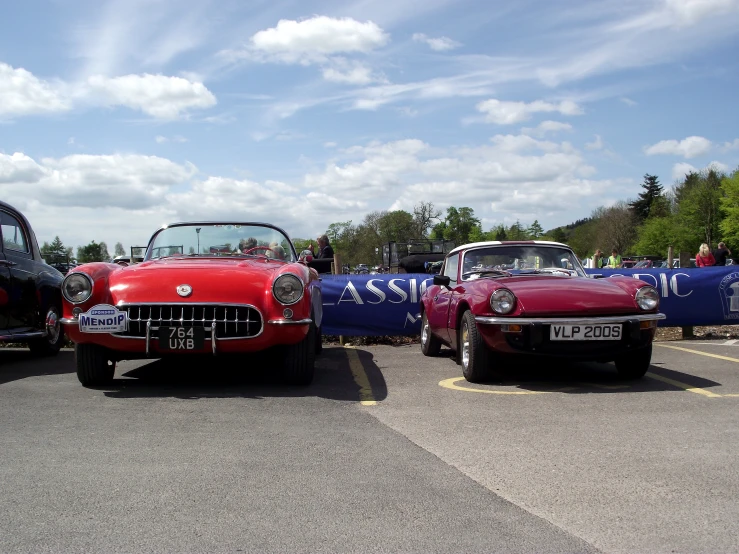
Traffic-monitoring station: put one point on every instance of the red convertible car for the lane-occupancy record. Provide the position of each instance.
(494, 300)
(202, 288)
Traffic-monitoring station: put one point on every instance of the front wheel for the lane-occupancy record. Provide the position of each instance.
(52, 342)
(634, 365)
(94, 366)
(472, 351)
(299, 363)
(430, 345)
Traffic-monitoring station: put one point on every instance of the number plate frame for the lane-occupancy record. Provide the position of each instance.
(586, 332)
(175, 338)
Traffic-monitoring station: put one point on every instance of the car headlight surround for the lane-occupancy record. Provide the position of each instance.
(77, 288)
(647, 298)
(502, 301)
(287, 289)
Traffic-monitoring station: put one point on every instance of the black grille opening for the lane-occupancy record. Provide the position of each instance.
(230, 321)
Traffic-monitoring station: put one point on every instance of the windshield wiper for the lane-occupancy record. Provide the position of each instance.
(499, 272)
(549, 270)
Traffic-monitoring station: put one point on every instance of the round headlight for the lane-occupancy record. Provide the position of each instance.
(77, 288)
(647, 298)
(502, 301)
(288, 289)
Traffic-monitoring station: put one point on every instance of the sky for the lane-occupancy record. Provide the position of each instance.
(118, 116)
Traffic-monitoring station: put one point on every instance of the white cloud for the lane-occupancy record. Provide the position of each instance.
(546, 127)
(679, 170)
(341, 70)
(690, 147)
(19, 168)
(160, 96)
(689, 12)
(22, 93)
(628, 101)
(730, 145)
(440, 44)
(124, 181)
(506, 113)
(597, 144)
(314, 40)
(176, 138)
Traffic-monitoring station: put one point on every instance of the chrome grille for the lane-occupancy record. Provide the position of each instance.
(231, 321)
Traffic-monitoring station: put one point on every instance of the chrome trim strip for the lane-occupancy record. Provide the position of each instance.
(568, 320)
(289, 321)
(213, 336)
(148, 336)
(69, 321)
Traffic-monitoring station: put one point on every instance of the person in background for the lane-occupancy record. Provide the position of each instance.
(704, 258)
(720, 254)
(324, 248)
(614, 261)
(598, 259)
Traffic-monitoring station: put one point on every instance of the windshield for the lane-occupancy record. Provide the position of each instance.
(210, 239)
(520, 259)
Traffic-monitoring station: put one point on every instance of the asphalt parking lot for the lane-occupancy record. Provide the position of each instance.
(387, 451)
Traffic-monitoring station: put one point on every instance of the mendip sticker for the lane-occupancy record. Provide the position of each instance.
(103, 318)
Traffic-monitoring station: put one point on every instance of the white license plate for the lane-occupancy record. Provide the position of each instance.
(585, 332)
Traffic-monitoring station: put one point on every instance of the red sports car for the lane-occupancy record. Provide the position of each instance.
(203, 288)
(493, 299)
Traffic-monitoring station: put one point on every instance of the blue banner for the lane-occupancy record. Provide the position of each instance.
(372, 305)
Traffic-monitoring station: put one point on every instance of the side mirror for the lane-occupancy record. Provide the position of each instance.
(442, 280)
(306, 256)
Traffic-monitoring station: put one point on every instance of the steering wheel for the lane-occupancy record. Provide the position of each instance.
(258, 248)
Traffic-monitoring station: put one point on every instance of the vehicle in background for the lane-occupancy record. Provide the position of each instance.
(30, 289)
(202, 288)
(361, 269)
(495, 302)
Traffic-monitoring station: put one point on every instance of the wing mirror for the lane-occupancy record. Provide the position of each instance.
(306, 256)
(442, 280)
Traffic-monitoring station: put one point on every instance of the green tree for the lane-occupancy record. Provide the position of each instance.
(459, 223)
(93, 252)
(500, 233)
(119, 250)
(535, 230)
(398, 226)
(729, 226)
(656, 235)
(558, 235)
(477, 234)
(517, 232)
(642, 207)
(699, 207)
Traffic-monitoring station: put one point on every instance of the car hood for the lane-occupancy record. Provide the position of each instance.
(548, 295)
(212, 280)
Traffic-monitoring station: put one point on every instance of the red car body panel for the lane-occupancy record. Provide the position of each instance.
(537, 296)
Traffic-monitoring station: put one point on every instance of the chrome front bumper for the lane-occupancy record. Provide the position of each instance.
(568, 320)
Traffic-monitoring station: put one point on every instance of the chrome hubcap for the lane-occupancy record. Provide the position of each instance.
(465, 346)
(424, 331)
(53, 327)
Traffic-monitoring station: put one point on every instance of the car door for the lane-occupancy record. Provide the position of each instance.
(18, 260)
(439, 316)
(4, 293)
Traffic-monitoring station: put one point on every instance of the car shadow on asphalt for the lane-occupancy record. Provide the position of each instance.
(249, 376)
(571, 377)
(20, 363)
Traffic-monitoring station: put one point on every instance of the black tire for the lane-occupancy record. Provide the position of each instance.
(634, 365)
(472, 352)
(93, 365)
(299, 363)
(319, 340)
(430, 344)
(52, 342)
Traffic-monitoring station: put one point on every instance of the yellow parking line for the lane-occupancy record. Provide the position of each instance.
(684, 386)
(360, 378)
(732, 395)
(727, 358)
(451, 384)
